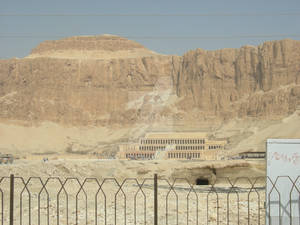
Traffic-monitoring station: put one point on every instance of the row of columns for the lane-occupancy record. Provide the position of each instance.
(184, 155)
(151, 148)
(214, 147)
(178, 147)
(190, 147)
(173, 141)
(140, 155)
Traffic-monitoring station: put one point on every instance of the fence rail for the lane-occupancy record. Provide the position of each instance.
(155, 200)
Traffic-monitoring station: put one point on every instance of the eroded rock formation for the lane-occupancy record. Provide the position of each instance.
(110, 80)
(258, 81)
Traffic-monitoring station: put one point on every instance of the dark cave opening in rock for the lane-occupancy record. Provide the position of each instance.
(202, 181)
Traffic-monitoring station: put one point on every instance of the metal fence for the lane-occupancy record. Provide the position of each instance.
(155, 200)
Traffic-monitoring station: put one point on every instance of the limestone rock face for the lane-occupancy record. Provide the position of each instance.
(105, 80)
(258, 81)
(77, 91)
(91, 47)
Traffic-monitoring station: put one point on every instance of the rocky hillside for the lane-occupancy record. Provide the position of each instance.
(108, 81)
(261, 81)
(111, 80)
(93, 89)
(91, 47)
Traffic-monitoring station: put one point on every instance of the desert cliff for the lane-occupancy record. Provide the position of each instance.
(110, 82)
(251, 81)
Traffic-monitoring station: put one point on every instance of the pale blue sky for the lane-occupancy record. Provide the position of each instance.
(52, 27)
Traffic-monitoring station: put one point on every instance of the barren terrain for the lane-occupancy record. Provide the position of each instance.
(180, 201)
(121, 169)
(80, 97)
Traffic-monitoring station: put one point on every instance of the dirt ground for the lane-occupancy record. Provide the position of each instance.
(130, 201)
(121, 169)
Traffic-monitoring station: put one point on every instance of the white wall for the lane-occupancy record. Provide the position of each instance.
(283, 169)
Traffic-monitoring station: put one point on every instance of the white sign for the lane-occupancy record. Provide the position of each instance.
(283, 182)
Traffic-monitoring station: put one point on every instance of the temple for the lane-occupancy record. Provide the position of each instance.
(183, 145)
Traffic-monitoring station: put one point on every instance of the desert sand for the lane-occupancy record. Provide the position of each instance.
(176, 191)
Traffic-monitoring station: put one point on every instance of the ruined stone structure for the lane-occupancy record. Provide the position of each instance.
(187, 145)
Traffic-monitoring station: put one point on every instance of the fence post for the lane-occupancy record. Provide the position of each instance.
(155, 200)
(11, 210)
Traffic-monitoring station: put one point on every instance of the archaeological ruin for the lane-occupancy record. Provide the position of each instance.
(175, 145)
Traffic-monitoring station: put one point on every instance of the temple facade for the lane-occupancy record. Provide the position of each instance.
(183, 145)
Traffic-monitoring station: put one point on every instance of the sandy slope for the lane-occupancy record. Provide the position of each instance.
(76, 142)
(252, 135)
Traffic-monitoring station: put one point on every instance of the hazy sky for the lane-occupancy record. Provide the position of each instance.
(52, 27)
